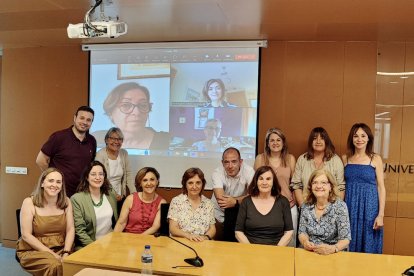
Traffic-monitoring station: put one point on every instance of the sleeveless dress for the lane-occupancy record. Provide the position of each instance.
(362, 200)
(142, 214)
(51, 231)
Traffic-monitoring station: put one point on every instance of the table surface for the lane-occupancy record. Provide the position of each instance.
(122, 251)
(346, 263)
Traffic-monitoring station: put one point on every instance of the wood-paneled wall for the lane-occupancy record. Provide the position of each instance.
(303, 85)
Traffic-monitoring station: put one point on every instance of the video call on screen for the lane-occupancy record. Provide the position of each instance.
(201, 101)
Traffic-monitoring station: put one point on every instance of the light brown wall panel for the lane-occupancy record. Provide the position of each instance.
(41, 89)
(389, 235)
(404, 243)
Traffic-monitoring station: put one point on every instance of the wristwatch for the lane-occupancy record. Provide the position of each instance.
(237, 202)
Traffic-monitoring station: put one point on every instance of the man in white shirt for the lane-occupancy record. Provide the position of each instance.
(230, 182)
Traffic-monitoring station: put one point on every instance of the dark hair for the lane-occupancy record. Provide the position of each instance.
(38, 192)
(329, 147)
(85, 108)
(333, 194)
(350, 143)
(113, 97)
(284, 154)
(207, 86)
(141, 174)
(190, 173)
(229, 149)
(253, 188)
(116, 130)
(84, 183)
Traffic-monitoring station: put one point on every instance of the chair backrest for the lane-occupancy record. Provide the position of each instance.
(165, 227)
(19, 233)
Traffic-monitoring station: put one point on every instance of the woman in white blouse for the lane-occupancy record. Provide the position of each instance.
(116, 164)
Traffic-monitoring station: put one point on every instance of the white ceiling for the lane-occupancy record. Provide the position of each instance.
(43, 22)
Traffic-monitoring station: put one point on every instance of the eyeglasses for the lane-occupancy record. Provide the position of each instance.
(322, 183)
(127, 108)
(213, 128)
(115, 139)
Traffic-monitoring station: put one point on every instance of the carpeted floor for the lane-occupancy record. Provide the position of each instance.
(8, 264)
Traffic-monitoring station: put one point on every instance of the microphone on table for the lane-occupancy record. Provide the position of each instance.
(196, 261)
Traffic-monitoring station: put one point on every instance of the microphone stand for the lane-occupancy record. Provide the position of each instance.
(196, 261)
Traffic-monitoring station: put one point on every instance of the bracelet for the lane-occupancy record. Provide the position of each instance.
(66, 252)
(208, 237)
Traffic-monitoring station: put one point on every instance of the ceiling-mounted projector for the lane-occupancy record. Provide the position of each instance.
(105, 29)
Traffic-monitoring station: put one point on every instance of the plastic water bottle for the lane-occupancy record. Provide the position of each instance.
(146, 261)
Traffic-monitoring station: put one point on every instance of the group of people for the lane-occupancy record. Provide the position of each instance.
(79, 194)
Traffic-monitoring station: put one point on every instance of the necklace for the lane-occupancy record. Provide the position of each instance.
(99, 203)
(320, 208)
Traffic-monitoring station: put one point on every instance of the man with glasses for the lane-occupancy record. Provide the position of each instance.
(211, 142)
(230, 182)
(70, 150)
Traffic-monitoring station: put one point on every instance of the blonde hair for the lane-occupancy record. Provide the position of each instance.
(38, 192)
(333, 194)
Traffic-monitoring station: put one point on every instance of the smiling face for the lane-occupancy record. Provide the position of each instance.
(275, 143)
(360, 139)
(212, 131)
(194, 186)
(265, 182)
(231, 162)
(52, 184)
(114, 142)
(215, 92)
(149, 183)
(131, 113)
(96, 177)
(83, 121)
(318, 143)
(321, 187)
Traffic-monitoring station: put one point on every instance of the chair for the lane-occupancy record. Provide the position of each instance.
(229, 225)
(165, 226)
(19, 233)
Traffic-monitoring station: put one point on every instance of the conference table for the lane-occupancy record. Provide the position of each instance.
(347, 263)
(122, 252)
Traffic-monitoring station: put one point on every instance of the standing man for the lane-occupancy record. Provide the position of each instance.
(230, 182)
(70, 150)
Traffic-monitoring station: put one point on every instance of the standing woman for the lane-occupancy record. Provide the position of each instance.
(264, 216)
(116, 164)
(320, 155)
(276, 155)
(94, 206)
(365, 194)
(141, 210)
(191, 214)
(46, 224)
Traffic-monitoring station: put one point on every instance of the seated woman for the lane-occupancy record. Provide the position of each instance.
(264, 216)
(324, 223)
(191, 214)
(141, 211)
(47, 229)
(94, 206)
(116, 164)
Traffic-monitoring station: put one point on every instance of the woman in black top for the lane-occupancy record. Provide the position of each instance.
(264, 216)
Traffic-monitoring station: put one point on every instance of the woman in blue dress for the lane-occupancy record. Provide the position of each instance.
(365, 191)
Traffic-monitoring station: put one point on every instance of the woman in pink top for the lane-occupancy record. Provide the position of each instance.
(140, 212)
(277, 156)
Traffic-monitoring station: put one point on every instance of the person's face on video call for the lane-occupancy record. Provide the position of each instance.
(215, 93)
(212, 130)
(134, 117)
(83, 121)
(231, 163)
